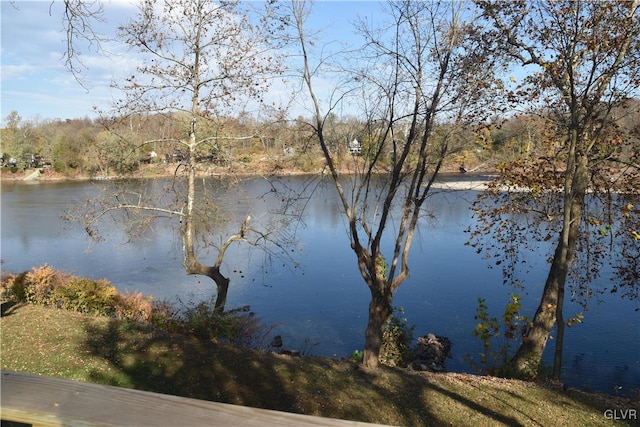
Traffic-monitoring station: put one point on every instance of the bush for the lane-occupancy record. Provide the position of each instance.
(14, 286)
(239, 327)
(95, 297)
(165, 316)
(357, 356)
(48, 287)
(495, 359)
(134, 306)
(396, 340)
(204, 322)
(247, 330)
(40, 284)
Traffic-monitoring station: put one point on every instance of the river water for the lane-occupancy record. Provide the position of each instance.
(319, 304)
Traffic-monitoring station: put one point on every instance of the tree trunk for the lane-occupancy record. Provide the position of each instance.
(222, 282)
(191, 263)
(379, 312)
(529, 355)
(557, 357)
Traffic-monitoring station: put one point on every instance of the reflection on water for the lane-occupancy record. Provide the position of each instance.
(321, 303)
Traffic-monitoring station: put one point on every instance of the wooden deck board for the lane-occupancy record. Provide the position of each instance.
(46, 401)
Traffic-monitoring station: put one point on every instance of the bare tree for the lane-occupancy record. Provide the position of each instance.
(79, 20)
(413, 73)
(587, 65)
(196, 61)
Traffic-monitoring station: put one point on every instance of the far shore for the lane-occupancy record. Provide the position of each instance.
(449, 178)
(458, 185)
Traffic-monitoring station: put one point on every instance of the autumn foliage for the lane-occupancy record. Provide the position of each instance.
(52, 288)
(46, 286)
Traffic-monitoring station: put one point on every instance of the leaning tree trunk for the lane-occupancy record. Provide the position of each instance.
(379, 312)
(560, 326)
(222, 282)
(529, 355)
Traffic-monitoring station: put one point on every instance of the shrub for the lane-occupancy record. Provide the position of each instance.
(40, 283)
(134, 306)
(15, 286)
(357, 356)
(48, 287)
(204, 322)
(396, 340)
(494, 360)
(246, 329)
(96, 297)
(165, 316)
(238, 327)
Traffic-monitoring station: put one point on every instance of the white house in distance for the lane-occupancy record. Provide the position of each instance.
(355, 147)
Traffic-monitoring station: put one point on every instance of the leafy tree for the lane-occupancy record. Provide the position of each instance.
(21, 139)
(198, 60)
(414, 71)
(586, 60)
(67, 155)
(11, 136)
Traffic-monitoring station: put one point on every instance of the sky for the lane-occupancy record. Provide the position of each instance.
(36, 84)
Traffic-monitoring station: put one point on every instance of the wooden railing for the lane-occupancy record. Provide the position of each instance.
(44, 401)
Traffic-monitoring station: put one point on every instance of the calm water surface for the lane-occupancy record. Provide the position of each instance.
(320, 305)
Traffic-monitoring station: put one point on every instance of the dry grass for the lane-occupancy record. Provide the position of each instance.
(68, 345)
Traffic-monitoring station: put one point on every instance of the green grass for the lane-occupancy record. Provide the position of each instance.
(68, 345)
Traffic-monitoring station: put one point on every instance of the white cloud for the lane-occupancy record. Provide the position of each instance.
(18, 72)
(35, 81)
(48, 105)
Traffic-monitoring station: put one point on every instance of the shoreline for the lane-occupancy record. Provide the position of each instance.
(458, 185)
(447, 180)
(471, 185)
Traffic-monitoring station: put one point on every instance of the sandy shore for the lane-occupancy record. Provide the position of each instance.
(461, 185)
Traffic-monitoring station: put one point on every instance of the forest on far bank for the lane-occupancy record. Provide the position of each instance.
(101, 148)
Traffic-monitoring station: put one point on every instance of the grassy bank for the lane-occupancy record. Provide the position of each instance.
(64, 344)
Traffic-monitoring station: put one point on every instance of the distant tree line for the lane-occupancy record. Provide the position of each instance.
(82, 146)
